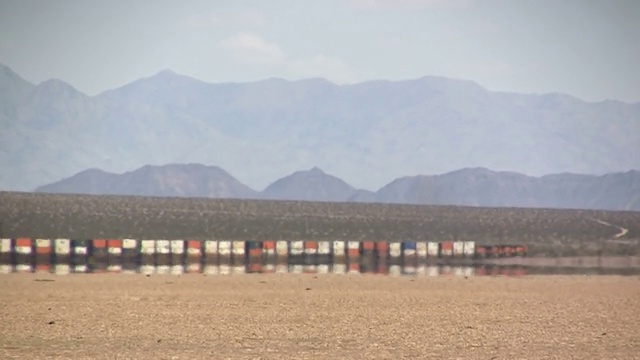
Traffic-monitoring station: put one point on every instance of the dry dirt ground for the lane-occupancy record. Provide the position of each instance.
(318, 317)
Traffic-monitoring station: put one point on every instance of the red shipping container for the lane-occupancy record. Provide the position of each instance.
(194, 244)
(310, 244)
(99, 243)
(23, 242)
(268, 244)
(114, 243)
(368, 245)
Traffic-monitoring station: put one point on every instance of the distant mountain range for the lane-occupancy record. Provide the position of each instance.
(367, 133)
(467, 187)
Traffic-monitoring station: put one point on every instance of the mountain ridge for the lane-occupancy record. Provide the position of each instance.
(481, 187)
(366, 133)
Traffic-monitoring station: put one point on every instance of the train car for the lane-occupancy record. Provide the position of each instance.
(445, 249)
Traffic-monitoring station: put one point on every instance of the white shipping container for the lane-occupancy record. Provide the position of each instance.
(297, 247)
(421, 249)
(177, 247)
(129, 244)
(163, 247)
(282, 248)
(432, 249)
(224, 247)
(43, 243)
(62, 246)
(338, 248)
(238, 247)
(147, 247)
(395, 249)
(210, 247)
(458, 248)
(5, 245)
(324, 248)
(469, 248)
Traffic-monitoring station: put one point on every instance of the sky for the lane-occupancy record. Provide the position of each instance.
(588, 49)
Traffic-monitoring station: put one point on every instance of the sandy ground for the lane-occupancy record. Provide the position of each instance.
(318, 317)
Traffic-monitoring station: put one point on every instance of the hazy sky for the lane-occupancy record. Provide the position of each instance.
(589, 49)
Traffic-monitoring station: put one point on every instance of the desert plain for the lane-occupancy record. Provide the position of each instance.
(325, 316)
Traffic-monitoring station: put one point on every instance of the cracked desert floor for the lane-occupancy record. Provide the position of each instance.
(318, 317)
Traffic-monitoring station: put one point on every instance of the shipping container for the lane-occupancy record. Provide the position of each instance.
(368, 246)
(409, 253)
(446, 249)
(130, 255)
(324, 248)
(177, 252)
(238, 256)
(43, 257)
(339, 249)
(268, 253)
(421, 250)
(507, 250)
(395, 250)
(296, 248)
(6, 253)
(310, 247)
(282, 250)
(382, 250)
(224, 254)
(469, 249)
(269, 247)
(98, 257)
(458, 249)
(433, 249)
(496, 251)
(353, 251)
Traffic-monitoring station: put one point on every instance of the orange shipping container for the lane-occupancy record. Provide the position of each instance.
(194, 244)
(114, 243)
(268, 244)
(368, 246)
(99, 243)
(311, 245)
(23, 242)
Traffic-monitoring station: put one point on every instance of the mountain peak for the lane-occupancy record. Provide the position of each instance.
(57, 86)
(310, 185)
